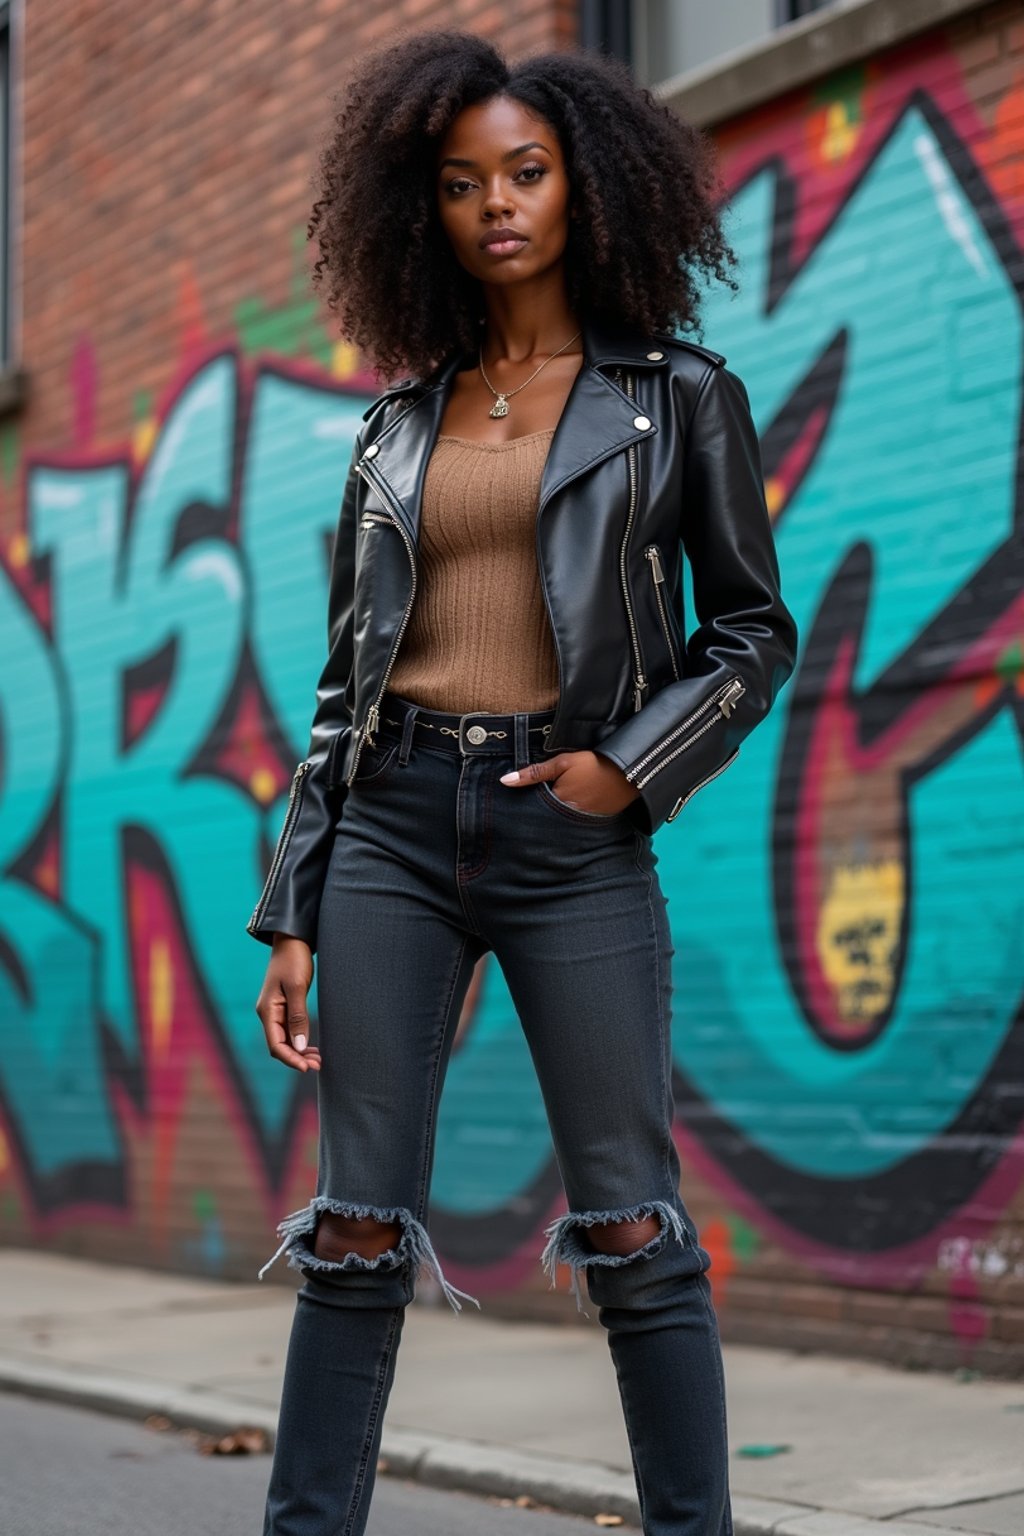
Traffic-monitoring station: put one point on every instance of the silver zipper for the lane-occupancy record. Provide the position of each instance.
(374, 517)
(291, 814)
(674, 812)
(653, 554)
(372, 720)
(639, 681)
(723, 698)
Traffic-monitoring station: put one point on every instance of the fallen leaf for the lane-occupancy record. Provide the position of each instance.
(246, 1440)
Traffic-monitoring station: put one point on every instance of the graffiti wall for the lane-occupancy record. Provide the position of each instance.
(847, 903)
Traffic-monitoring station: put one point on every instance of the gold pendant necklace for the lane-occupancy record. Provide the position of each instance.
(502, 397)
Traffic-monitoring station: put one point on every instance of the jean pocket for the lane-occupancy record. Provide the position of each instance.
(375, 762)
(573, 812)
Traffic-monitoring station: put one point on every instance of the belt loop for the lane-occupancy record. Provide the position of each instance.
(522, 736)
(407, 729)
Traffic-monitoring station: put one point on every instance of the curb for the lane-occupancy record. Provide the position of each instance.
(470, 1466)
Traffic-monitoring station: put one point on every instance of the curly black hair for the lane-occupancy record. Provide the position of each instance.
(644, 181)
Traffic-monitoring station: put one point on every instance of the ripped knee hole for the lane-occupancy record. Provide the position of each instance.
(571, 1238)
(338, 1234)
(398, 1238)
(622, 1236)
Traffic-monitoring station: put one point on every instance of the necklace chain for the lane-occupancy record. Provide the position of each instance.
(502, 397)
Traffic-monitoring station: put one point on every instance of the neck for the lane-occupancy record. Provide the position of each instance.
(527, 321)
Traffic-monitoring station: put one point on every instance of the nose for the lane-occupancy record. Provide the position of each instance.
(498, 204)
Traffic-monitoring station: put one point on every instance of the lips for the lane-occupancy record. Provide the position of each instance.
(502, 237)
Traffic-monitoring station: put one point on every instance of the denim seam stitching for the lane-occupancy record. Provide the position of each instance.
(486, 803)
(704, 1286)
(460, 887)
(421, 1194)
(663, 1043)
(357, 1491)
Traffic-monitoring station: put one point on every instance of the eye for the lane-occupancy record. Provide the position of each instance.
(457, 183)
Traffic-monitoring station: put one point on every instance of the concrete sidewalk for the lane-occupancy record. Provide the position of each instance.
(512, 1408)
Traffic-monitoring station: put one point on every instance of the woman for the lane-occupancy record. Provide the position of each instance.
(508, 712)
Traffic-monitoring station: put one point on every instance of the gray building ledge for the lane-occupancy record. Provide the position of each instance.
(799, 53)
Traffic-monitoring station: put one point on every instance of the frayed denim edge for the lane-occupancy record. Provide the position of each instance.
(413, 1247)
(564, 1247)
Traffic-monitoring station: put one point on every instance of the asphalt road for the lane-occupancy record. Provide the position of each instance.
(65, 1471)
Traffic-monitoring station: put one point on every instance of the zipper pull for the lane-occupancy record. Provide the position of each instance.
(297, 776)
(652, 554)
(727, 702)
(372, 722)
(639, 685)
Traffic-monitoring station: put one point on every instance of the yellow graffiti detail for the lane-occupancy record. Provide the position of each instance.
(774, 495)
(344, 360)
(840, 137)
(161, 996)
(858, 934)
(18, 551)
(143, 438)
(263, 785)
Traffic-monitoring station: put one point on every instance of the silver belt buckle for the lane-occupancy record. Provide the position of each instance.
(476, 734)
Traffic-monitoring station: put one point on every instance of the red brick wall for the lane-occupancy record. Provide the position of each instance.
(165, 165)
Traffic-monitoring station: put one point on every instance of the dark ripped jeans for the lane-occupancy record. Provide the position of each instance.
(434, 863)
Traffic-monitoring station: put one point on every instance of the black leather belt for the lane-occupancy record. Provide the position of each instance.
(474, 732)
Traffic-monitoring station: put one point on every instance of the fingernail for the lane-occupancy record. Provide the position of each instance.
(300, 1042)
(511, 778)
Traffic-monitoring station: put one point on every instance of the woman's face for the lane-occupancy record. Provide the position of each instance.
(500, 166)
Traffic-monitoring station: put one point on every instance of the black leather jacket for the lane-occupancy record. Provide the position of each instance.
(655, 453)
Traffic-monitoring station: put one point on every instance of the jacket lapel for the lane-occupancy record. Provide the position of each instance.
(598, 420)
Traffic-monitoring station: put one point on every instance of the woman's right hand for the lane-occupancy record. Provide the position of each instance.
(281, 1004)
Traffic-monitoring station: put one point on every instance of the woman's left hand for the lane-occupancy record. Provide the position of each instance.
(586, 780)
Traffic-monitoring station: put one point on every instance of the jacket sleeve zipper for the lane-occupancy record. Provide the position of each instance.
(639, 681)
(674, 812)
(653, 554)
(291, 815)
(724, 697)
(372, 720)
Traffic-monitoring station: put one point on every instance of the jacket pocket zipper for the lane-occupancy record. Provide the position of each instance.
(722, 701)
(372, 720)
(290, 818)
(639, 681)
(653, 555)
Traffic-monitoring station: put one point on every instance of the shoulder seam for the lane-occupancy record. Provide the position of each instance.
(695, 346)
(701, 388)
(401, 388)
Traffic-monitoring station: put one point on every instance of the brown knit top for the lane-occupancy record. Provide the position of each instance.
(478, 635)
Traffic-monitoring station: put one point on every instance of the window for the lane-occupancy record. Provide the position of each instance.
(608, 26)
(792, 10)
(664, 38)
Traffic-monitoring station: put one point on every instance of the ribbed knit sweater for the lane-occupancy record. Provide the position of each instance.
(478, 635)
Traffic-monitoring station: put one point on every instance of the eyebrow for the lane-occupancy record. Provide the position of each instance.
(519, 150)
